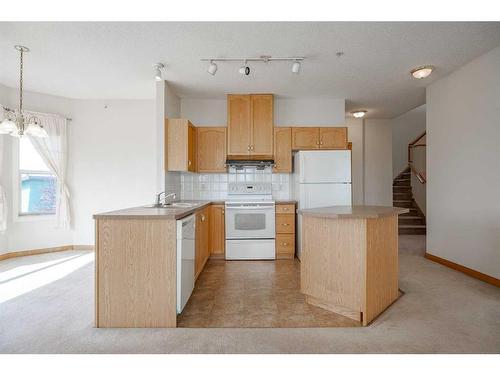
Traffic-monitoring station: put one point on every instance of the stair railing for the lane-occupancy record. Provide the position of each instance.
(416, 157)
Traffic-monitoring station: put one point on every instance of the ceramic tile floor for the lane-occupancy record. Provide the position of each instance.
(254, 294)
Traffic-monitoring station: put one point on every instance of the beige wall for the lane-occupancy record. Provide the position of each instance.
(378, 162)
(463, 165)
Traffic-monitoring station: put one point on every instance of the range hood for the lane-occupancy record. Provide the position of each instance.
(241, 164)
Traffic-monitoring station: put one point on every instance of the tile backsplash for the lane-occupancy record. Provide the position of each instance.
(214, 186)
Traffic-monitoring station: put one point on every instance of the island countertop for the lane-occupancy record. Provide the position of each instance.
(144, 212)
(355, 212)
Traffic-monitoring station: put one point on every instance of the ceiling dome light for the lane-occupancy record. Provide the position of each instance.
(212, 68)
(359, 114)
(422, 71)
(158, 74)
(296, 67)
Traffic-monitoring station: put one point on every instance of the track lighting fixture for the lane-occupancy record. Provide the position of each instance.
(212, 68)
(245, 69)
(158, 74)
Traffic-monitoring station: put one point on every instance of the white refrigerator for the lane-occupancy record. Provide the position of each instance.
(321, 179)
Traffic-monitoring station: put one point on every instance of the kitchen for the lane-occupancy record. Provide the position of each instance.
(204, 246)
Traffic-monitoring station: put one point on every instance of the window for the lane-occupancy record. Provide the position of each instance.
(36, 183)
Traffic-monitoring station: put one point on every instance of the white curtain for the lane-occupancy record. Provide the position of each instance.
(3, 198)
(54, 153)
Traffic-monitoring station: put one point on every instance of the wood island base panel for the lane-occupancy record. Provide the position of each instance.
(349, 262)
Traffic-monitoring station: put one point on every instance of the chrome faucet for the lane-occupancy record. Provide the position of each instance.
(158, 197)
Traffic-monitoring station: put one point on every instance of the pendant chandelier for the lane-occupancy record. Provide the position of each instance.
(17, 123)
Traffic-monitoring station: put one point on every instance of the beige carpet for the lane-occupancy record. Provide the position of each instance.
(46, 306)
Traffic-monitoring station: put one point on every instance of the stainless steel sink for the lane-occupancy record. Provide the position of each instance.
(172, 205)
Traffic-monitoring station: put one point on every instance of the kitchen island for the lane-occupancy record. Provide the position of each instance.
(136, 274)
(349, 262)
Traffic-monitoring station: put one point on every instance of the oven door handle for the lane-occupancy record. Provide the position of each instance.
(248, 208)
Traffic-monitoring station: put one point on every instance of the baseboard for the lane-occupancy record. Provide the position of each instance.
(23, 253)
(468, 271)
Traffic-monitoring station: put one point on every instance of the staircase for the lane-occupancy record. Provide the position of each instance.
(412, 222)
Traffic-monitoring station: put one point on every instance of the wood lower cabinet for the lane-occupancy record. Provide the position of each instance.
(211, 149)
(202, 248)
(324, 138)
(217, 236)
(285, 231)
(282, 150)
(180, 144)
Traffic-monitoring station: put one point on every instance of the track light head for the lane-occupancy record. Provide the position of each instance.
(359, 114)
(212, 68)
(296, 67)
(245, 69)
(158, 74)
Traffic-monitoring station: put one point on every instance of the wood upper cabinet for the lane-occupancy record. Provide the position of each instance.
(333, 138)
(180, 144)
(324, 138)
(305, 138)
(282, 150)
(238, 125)
(202, 250)
(250, 125)
(262, 125)
(211, 149)
(217, 237)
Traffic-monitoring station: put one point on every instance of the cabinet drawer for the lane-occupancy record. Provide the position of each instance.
(285, 209)
(285, 223)
(285, 245)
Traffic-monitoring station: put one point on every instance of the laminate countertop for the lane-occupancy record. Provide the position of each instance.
(145, 212)
(357, 212)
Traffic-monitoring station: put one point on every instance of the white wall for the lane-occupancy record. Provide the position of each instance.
(405, 129)
(171, 109)
(463, 165)
(111, 164)
(112, 152)
(287, 112)
(378, 162)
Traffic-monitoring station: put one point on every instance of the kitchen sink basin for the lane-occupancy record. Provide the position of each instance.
(172, 205)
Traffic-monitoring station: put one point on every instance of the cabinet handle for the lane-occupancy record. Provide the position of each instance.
(285, 224)
(320, 142)
(202, 217)
(251, 148)
(248, 148)
(284, 243)
(189, 162)
(285, 208)
(317, 143)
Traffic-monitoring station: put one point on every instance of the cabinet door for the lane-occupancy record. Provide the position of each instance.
(305, 138)
(262, 125)
(217, 231)
(333, 138)
(211, 149)
(191, 141)
(283, 150)
(238, 125)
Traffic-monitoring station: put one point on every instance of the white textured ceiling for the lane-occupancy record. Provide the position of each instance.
(114, 60)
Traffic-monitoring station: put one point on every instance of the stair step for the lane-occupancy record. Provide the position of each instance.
(413, 212)
(405, 196)
(420, 230)
(405, 204)
(401, 183)
(401, 189)
(411, 220)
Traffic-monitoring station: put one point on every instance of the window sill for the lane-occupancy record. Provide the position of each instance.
(30, 218)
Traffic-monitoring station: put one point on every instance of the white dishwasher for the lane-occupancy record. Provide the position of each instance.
(186, 234)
